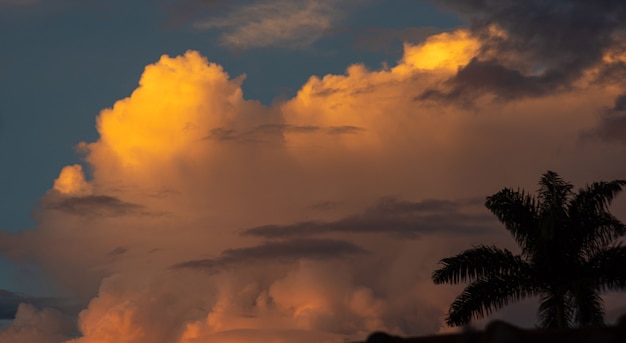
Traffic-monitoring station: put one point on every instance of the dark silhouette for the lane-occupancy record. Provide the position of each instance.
(569, 254)
(382, 337)
(501, 332)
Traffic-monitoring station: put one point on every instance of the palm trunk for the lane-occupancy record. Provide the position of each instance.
(560, 313)
(561, 317)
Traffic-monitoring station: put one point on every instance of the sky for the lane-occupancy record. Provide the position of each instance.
(194, 171)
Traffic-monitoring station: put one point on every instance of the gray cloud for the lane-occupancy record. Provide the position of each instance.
(10, 301)
(8, 304)
(272, 132)
(292, 24)
(220, 134)
(478, 77)
(549, 45)
(390, 217)
(347, 129)
(93, 205)
(612, 126)
(288, 250)
(118, 251)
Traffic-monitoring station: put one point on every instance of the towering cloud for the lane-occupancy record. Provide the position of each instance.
(544, 46)
(203, 216)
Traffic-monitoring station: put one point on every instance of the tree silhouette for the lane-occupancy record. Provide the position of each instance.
(570, 253)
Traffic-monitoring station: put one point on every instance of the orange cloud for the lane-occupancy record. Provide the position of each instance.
(447, 51)
(186, 164)
(71, 181)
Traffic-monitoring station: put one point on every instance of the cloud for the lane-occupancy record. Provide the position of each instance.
(10, 303)
(187, 143)
(93, 205)
(33, 325)
(289, 250)
(71, 180)
(533, 48)
(612, 126)
(275, 23)
(392, 217)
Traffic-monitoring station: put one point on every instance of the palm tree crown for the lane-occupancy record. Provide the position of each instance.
(569, 254)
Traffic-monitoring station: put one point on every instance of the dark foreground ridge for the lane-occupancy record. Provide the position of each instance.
(501, 332)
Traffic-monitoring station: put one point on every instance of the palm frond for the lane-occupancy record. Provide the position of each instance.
(567, 255)
(592, 225)
(479, 262)
(596, 197)
(589, 307)
(554, 192)
(518, 212)
(597, 232)
(555, 310)
(606, 269)
(486, 295)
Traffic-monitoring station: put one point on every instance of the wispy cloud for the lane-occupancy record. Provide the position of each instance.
(288, 250)
(392, 217)
(93, 205)
(292, 24)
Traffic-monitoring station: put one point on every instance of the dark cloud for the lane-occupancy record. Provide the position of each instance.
(117, 251)
(612, 126)
(478, 77)
(272, 132)
(220, 134)
(549, 45)
(620, 103)
(92, 205)
(287, 250)
(9, 302)
(392, 217)
(341, 130)
(281, 128)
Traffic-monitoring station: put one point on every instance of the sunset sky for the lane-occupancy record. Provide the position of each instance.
(192, 171)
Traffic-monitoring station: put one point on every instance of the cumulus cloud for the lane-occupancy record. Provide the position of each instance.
(533, 48)
(34, 325)
(321, 255)
(293, 24)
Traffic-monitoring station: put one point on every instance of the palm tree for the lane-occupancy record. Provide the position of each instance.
(570, 253)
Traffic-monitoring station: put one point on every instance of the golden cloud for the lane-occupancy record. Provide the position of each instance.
(185, 164)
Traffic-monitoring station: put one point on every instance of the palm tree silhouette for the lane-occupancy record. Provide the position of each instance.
(570, 254)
